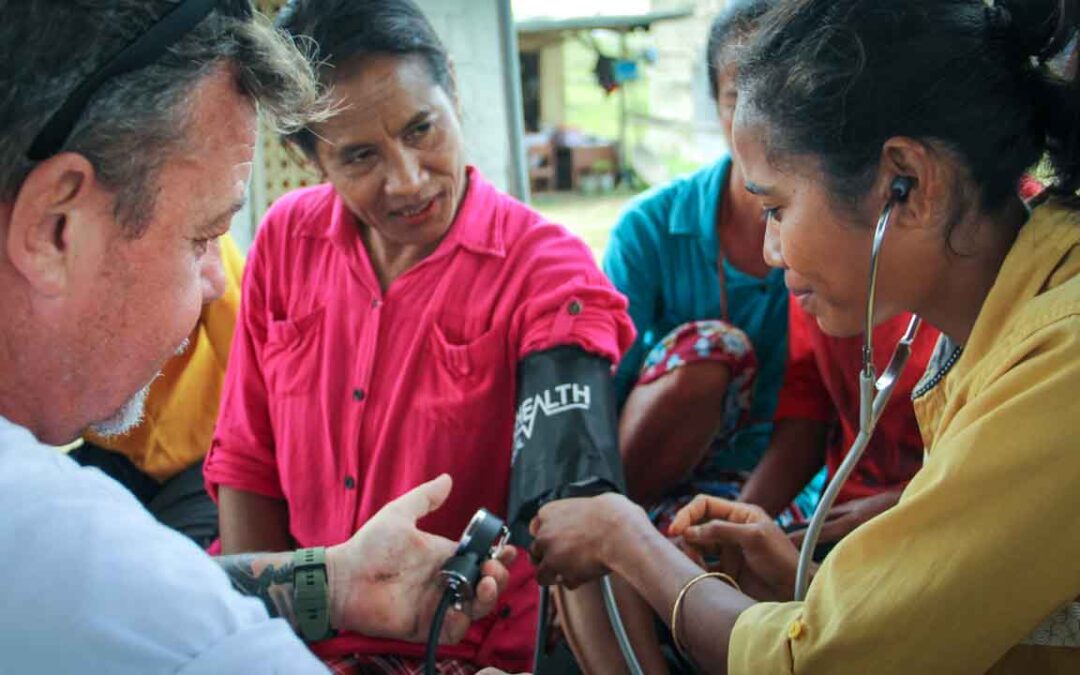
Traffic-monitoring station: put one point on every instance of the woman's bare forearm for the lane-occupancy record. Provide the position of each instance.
(658, 571)
(796, 452)
(251, 522)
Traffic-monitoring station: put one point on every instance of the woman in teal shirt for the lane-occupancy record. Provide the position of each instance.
(699, 387)
(701, 381)
(664, 255)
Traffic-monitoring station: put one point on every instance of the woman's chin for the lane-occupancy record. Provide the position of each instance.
(838, 326)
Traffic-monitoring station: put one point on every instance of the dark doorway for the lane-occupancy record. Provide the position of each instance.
(530, 89)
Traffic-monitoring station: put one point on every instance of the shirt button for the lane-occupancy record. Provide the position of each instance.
(350, 482)
(574, 308)
(358, 394)
(376, 303)
(796, 630)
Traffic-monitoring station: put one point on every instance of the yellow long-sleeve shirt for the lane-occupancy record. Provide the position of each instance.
(182, 407)
(981, 557)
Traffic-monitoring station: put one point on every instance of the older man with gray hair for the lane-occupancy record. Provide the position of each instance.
(127, 130)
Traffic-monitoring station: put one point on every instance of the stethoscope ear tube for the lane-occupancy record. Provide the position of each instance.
(874, 395)
(806, 553)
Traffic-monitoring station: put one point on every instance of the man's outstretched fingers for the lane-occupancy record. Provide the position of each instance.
(507, 555)
(487, 594)
(422, 499)
(497, 572)
(458, 620)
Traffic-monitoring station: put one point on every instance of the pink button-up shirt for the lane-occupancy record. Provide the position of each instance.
(339, 397)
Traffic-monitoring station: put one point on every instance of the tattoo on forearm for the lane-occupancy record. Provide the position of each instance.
(266, 576)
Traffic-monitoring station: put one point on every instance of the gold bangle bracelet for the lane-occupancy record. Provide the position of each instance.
(726, 578)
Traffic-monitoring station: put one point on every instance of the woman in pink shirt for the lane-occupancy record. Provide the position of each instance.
(383, 319)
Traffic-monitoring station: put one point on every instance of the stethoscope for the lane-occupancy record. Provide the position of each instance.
(874, 391)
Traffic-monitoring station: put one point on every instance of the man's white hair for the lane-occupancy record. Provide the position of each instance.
(130, 415)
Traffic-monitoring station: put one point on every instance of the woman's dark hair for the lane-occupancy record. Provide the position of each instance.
(731, 26)
(346, 29)
(834, 79)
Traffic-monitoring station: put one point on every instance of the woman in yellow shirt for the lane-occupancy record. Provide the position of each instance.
(975, 570)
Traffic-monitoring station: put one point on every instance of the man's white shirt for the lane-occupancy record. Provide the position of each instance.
(91, 583)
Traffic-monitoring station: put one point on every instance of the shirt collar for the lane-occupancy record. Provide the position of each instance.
(478, 225)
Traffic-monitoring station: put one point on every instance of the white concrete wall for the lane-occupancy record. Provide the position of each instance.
(552, 86)
(680, 88)
(470, 31)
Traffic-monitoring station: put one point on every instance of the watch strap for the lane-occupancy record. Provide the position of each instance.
(312, 593)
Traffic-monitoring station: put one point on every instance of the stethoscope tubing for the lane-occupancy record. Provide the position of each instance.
(874, 395)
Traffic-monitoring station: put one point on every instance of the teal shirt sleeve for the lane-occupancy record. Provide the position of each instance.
(630, 261)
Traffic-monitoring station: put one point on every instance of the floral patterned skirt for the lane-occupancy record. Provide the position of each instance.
(717, 341)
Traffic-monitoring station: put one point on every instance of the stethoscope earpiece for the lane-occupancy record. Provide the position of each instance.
(901, 187)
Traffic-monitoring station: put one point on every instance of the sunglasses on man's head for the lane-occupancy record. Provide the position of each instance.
(145, 50)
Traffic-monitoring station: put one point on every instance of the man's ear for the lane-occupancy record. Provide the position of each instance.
(40, 238)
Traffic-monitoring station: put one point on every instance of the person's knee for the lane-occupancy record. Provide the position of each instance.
(693, 386)
(705, 381)
(679, 412)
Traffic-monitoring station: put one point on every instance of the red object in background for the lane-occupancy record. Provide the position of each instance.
(822, 383)
(1030, 187)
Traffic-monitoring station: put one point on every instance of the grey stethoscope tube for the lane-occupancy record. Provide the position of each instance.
(874, 394)
(612, 608)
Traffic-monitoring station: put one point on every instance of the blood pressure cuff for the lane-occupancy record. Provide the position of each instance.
(565, 433)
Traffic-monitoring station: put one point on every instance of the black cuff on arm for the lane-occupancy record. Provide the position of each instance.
(565, 433)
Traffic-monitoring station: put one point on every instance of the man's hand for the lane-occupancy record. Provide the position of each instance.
(843, 519)
(572, 537)
(750, 546)
(384, 581)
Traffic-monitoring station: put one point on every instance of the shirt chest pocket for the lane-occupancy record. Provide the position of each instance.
(470, 360)
(293, 352)
(465, 374)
